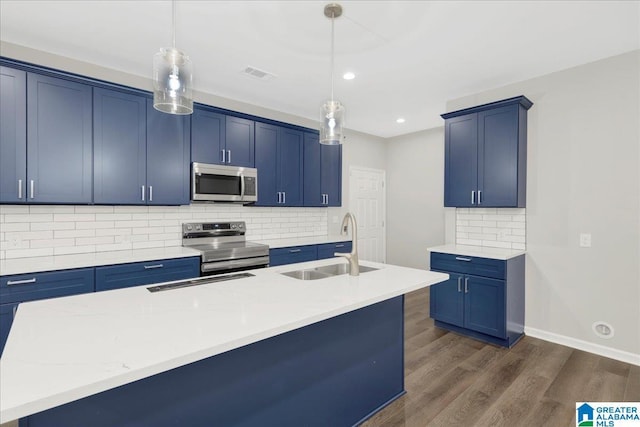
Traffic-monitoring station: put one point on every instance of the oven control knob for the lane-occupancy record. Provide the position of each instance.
(189, 227)
(198, 227)
(234, 226)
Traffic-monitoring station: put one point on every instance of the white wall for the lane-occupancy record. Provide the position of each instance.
(415, 194)
(582, 177)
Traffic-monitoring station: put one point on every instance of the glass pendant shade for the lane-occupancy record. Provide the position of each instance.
(172, 82)
(332, 123)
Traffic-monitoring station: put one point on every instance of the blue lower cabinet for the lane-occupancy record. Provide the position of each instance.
(337, 372)
(7, 312)
(30, 287)
(145, 273)
(328, 250)
(292, 254)
(483, 298)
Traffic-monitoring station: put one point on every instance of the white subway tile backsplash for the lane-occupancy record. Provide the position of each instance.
(492, 227)
(40, 230)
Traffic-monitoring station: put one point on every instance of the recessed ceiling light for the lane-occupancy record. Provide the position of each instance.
(349, 76)
(400, 120)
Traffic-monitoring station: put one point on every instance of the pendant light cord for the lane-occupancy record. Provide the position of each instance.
(173, 23)
(332, 53)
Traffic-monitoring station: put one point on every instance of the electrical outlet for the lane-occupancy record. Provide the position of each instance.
(585, 240)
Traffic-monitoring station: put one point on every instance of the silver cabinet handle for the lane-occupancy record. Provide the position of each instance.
(279, 197)
(21, 282)
(293, 251)
(461, 258)
(479, 197)
(143, 193)
(224, 156)
(151, 267)
(339, 246)
(19, 189)
(473, 197)
(151, 193)
(284, 197)
(228, 156)
(466, 285)
(31, 189)
(460, 284)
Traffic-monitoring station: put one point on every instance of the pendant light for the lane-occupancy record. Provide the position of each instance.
(172, 77)
(332, 111)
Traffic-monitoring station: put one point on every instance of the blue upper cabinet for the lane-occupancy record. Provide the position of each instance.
(486, 155)
(322, 172)
(13, 135)
(168, 157)
(120, 147)
(239, 144)
(142, 156)
(59, 141)
(208, 136)
(279, 160)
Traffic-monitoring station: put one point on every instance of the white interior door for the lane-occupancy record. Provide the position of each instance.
(368, 203)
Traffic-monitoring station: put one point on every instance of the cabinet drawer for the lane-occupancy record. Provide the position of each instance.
(29, 287)
(327, 250)
(145, 273)
(477, 266)
(292, 254)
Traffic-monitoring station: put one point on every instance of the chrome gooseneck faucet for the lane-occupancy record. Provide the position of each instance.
(354, 266)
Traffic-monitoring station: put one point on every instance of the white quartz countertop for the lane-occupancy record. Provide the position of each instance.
(63, 349)
(302, 241)
(64, 262)
(477, 251)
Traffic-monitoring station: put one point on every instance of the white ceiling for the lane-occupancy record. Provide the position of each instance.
(410, 57)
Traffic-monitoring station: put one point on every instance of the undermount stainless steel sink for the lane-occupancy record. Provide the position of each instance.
(324, 272)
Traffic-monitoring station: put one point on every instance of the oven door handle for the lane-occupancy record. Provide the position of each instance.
(220, 266)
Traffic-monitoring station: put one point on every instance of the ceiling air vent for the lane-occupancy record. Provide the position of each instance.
(257, 73)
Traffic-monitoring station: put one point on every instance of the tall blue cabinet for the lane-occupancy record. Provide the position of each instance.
(322, 172)
(46, 140)
(486, 155)
(279, 160)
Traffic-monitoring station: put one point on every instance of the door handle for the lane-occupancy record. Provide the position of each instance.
(460, 258)
(466, 285)
(473, 197)
(151, 267)
(21, 282)
(31, 189)
(241, 184)
(224, 156)
(479, 197)
(284, 197)
(228, 156)
(151, 193)
(19, 189)
(460, 284)
(143, 193)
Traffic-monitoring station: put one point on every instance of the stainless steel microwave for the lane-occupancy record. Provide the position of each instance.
(216, 183)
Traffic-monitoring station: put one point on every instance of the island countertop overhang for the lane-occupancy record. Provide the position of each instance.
(64, 349)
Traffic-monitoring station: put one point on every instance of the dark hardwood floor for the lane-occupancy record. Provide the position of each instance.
(452, 380)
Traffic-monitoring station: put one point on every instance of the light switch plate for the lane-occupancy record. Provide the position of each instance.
(585, 240)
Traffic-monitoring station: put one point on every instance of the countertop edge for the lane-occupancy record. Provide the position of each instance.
(478, 251)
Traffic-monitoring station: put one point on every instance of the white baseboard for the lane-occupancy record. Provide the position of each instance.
(598, 349)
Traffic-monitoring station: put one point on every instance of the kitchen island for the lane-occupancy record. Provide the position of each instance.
(254, 351)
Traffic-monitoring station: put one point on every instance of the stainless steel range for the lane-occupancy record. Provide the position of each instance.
(223, 247)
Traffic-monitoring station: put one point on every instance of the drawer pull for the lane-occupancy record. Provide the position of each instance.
(293, 251)
(339, 246)
(150, 267)
(21, 282)
(460, 258)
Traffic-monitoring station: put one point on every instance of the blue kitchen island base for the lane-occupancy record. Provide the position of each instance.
(337, 372)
